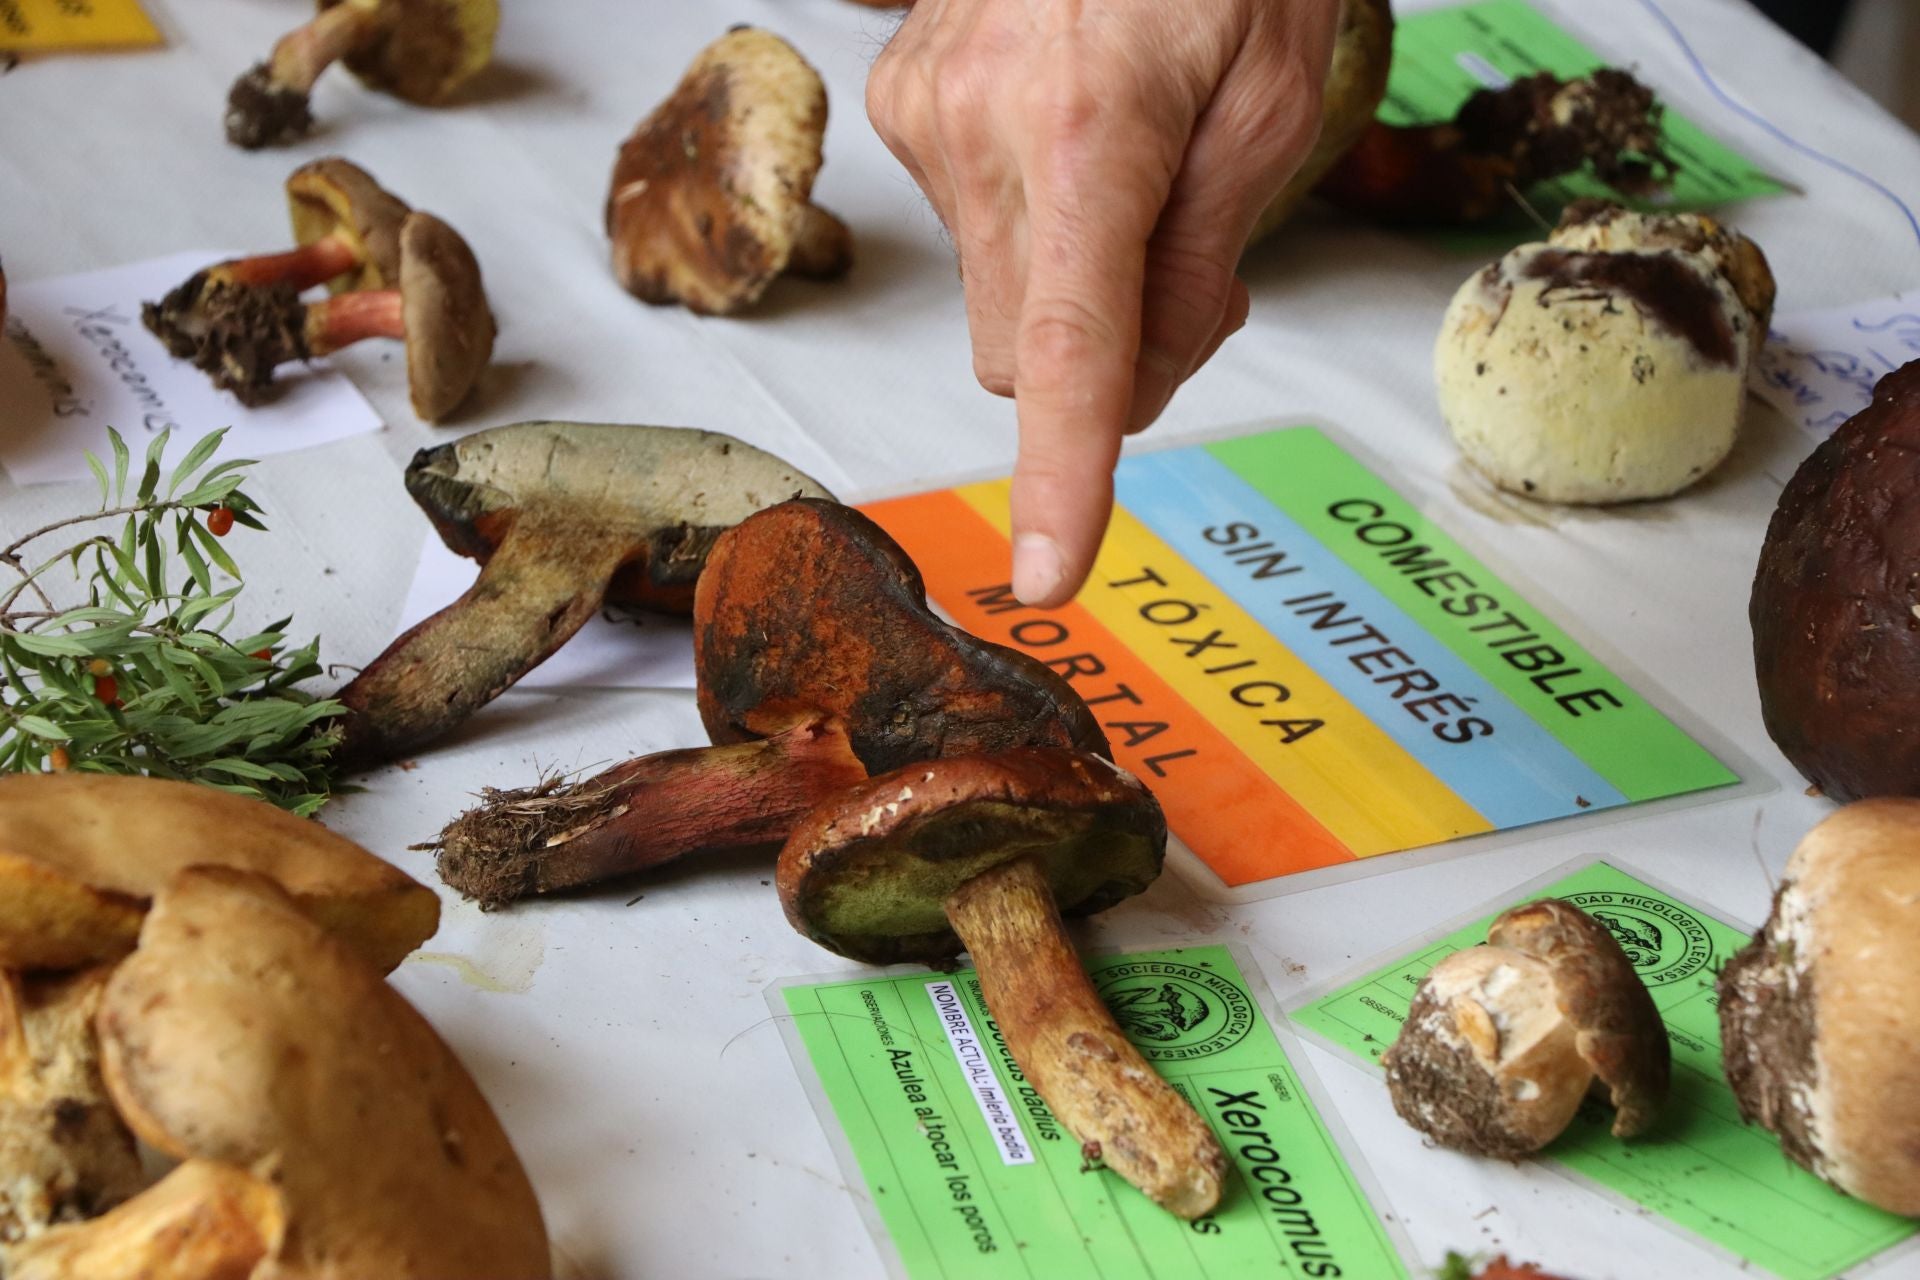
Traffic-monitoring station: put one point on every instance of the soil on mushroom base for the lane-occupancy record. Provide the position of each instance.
(1768, 1021)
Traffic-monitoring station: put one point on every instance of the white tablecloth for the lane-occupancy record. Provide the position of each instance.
(629, 1050)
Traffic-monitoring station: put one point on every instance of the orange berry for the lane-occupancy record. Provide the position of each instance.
(99, 667)
(59, 759)
(107, 689)
(264, 655)
(219, 521)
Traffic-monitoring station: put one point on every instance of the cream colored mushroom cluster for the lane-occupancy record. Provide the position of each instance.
(1609, 363)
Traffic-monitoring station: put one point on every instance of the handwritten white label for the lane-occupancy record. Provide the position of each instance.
(995, 1107)
(77, 360)
(1819, 367)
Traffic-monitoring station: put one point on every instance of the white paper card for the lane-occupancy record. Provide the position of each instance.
(1819, 367)
(77, 360)
(610, 652)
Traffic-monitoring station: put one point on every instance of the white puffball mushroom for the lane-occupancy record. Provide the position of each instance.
(1820, 1013)
(1609, 363)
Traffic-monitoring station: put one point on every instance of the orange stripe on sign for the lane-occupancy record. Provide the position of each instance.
(1232, 815)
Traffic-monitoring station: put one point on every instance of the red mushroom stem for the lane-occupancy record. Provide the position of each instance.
(346, 318)
(1070, 1048)
(302, 268)
(303, 53)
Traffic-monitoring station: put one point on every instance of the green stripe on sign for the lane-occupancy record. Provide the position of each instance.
(1489, 624)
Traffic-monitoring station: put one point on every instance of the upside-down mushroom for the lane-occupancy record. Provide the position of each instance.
(437, 307)
(818, 661)
(983, 853)
(325, 1130)
(346, 229)
(418, 50)
(563, 517)
(1505, 1040)
(711, 194)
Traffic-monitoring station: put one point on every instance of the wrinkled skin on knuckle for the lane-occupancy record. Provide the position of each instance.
(1057, 333)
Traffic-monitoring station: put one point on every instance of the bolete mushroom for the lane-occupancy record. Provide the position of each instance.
(818, 661)
(563, 517)
(711, 194)
(82, 855)
(1609, 363)
(346, 228)
(1505, 1040)
(1820, 1016)
(438, 308)
(1836, 603)
(983, 853)
(326, 1130)
(418, 50)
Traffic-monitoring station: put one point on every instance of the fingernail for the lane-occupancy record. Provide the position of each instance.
(1038, 567)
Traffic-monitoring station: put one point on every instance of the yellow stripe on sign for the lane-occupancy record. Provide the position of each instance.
(1358, 782)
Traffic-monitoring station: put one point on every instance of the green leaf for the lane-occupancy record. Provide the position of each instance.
(215, 551)
(100, 474)
(195, 565)
(41, 728)
(238, 768)
(120, 460)
(150, 474)
(51, 646)
(202, 450)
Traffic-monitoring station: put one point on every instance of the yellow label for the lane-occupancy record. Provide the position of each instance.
(1326, 753)
(74, 24)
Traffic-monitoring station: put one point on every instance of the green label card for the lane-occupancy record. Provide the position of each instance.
(1441, 56)
(1701, 1168)
(973, 1177)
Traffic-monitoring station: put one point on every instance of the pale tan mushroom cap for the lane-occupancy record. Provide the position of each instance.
(429, 47)
(449, 327)
(1821, 1014)
(82, 854)
(331, 194)
(710, 193)
(243, 1034)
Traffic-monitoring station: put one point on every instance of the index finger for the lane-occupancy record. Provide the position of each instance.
(1074, 354)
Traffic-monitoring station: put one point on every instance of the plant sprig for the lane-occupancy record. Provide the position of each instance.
(143, 677)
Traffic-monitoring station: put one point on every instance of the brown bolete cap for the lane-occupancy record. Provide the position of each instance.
(809, 608)
(1820, 1014)
(449, 328)
(245, 1040)
(710, 198)
(332, 196)
(426, 49)
(564, 517)
(82, 854)
(868, 872)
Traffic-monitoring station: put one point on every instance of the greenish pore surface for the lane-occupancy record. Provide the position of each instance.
(1415, 564)
(1701, 1168)
(1441, 56)
(899, 1088)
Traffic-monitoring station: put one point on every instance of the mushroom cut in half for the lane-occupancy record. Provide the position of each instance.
(564, 517)
(324, 1130)
(712, 194)
(983, 853)
(1820, 1014)
(417, 50)
(818, 661)
(1505, 1040)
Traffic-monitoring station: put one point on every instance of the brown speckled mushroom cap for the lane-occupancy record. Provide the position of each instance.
(330, 196)
(1620, 1032)
(449, 328)
(809, 609)
(710, 194)
(428, 48)
(1820, 1013)
(867, 873)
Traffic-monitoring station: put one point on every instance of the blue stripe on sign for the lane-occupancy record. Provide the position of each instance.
(1517, 773)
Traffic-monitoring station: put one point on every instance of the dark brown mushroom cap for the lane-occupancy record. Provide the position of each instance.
(867, 873)
(449, 328)
(674, 488)
(710, 192)
(809, 608)
(1621, 1034)
(428, 48)
(331, 194)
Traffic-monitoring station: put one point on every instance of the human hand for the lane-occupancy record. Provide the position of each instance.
(1099, 165)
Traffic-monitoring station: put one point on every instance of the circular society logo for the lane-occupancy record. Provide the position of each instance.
(1664, 942)
(1176, 1012)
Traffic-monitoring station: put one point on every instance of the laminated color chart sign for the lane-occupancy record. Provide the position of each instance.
(1701, 1169)
(1306, 670)
(73, 24)
(971, 1176)
(1441, 56)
